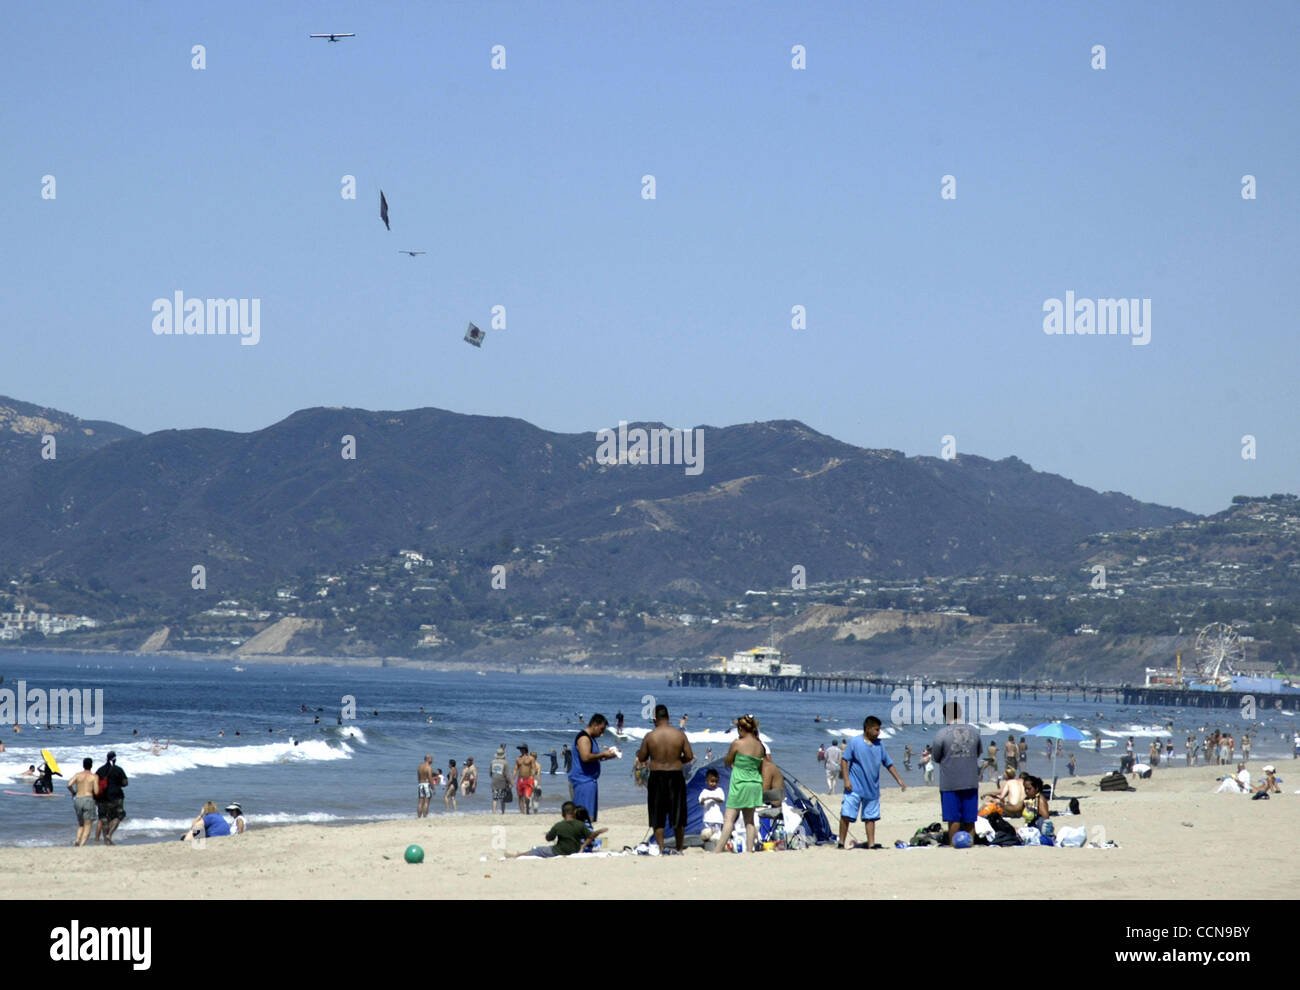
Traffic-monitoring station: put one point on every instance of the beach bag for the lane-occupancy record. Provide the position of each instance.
(1114, 781)
(1029, 836)
(1004, 833)
(1072, 835)
(931, 835)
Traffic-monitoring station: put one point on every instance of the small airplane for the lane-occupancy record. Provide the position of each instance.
(332, 37)
(383, 209)
(411, 253)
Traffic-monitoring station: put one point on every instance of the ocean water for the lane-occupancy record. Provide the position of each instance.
(285, 769)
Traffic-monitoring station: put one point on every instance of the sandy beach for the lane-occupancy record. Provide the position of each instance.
(1158, 857)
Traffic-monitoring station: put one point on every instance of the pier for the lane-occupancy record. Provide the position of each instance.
(1122, 694)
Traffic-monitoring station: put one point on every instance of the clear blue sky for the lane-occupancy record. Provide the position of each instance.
(775, 188)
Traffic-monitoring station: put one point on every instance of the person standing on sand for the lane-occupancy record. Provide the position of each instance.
(499, 770)
(585, 774)
(524, 781)
(535, 769)
(112, 779)
(745, 789)
(424, 787)
(1024, 753)
(990, 761)
(861, 768)
(1010, 754)
(1073, 766)
(907, 757)
(666, 751)
(956, 749)
(83, 787)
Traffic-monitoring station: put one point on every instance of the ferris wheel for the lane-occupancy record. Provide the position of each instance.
(1219, 651)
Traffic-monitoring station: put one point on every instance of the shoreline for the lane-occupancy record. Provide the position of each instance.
(373, 662)
(1163, 832)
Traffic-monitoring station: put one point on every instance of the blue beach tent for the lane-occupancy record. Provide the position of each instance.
(814, 818)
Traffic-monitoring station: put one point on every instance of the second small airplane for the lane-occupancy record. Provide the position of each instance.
(332, 37)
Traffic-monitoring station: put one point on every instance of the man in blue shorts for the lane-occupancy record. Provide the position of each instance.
(956, 749)
(860, 768)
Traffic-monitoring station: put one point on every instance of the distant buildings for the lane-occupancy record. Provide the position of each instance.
(14, 625)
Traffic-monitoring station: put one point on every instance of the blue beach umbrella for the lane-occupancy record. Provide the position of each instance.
(1056, 730)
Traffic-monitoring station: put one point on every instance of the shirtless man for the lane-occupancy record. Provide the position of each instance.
(773, 783)
(990, 761)
(1010, 754)
(666, 750)
(534, 765)
(84, 786)
(525, 782)
(1010, 798)
(424, 789)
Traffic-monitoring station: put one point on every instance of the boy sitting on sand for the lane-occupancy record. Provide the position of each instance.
(569, 835)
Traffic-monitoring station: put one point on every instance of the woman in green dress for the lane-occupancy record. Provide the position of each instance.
(745, 792)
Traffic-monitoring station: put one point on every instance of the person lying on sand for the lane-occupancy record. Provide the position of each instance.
(1238, 784)
(569, 835)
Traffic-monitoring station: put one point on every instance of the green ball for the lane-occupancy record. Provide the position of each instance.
(414, 854)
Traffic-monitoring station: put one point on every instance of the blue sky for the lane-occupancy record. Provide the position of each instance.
(775, 188)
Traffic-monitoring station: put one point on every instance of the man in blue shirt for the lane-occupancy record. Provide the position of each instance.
(860, 768)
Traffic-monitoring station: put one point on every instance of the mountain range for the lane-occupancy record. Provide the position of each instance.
(136, 512)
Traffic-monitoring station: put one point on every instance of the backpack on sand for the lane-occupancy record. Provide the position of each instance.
(1115, 781)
